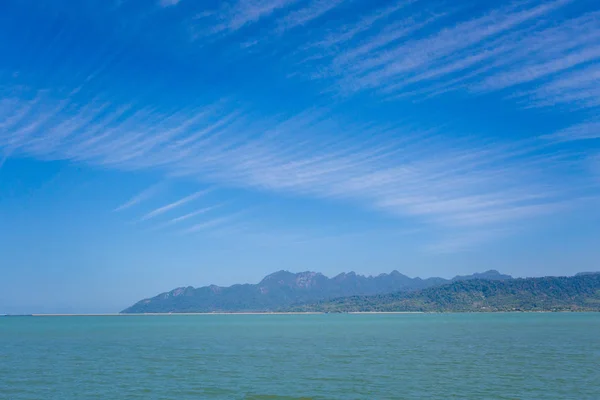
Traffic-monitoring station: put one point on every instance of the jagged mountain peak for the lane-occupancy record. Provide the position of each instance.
(491, 274)
(345, 275)
(287, 277)
(281, 274)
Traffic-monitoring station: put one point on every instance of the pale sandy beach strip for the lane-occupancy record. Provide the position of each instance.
(215, 313)
(385, 312)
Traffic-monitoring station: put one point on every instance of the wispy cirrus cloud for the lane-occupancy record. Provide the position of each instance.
(582, 131)
(216, 219)
(250, 11)
(3, 159)
(443, 47)
(230, 17)
(545, 53)
(543, 56)
(168, 3)
(175, 204)
(347, 32)
(190, 217)
(219, 219)
(421, 53)
(409, 174)
(144, 195)
(579, 89)
(312, 11)
(192, 214)
(214, 223)
(285, 15)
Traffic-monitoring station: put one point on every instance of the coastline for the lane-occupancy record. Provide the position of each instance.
(206, 313)
(286, 313)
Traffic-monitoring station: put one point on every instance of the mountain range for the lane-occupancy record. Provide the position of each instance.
(284, 289)
(574, 293)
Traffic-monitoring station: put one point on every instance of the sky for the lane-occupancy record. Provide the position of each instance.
(147, 145)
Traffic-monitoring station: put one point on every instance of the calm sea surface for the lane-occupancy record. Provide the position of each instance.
(418, 356)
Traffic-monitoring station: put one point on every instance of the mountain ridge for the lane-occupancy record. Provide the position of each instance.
(573, 293)
(283, 288)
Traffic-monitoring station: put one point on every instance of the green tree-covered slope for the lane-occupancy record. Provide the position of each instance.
(576, 293)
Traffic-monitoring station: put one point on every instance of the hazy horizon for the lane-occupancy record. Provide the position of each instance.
(71, 309)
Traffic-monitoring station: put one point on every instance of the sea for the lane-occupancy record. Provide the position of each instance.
(323, 356)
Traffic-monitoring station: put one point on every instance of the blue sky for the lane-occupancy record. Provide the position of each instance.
(146, 145)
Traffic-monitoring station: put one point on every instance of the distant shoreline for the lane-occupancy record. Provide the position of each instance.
(203, 313)
(285, 313)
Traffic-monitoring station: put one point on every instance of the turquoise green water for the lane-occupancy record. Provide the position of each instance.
(420, 356)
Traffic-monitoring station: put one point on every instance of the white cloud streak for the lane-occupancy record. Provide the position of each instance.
(236, 15)
(582, 131)
(192, 214)
(173, 205)
(251, 11)
(314, 10)
(349, 32)
(140, 197)
(3, 159)
(168, 3)
(212, 223)
(188, 217)
(579, 89)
